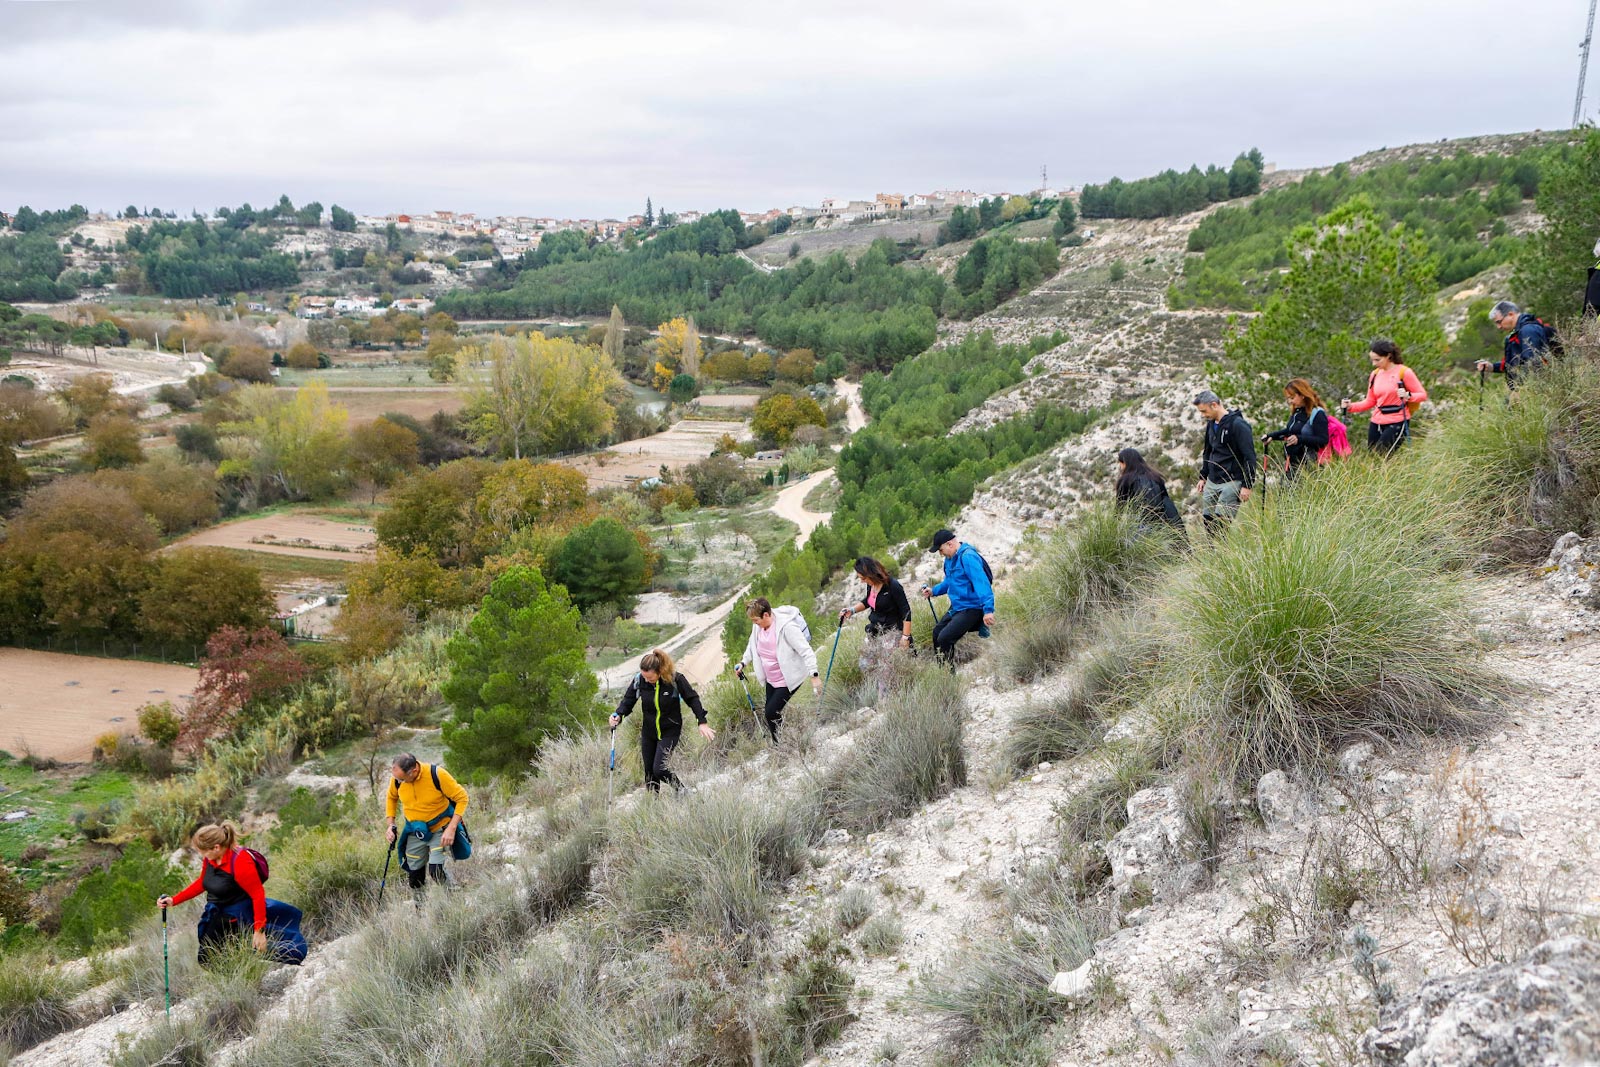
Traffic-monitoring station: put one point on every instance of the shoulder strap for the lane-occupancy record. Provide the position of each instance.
(433, 769)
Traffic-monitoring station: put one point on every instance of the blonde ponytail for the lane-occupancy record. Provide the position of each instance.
(658, 661)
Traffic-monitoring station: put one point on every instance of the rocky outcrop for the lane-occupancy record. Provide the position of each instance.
(1544, 1010)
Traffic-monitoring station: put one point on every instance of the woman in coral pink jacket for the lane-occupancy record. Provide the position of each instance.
(1393, 393)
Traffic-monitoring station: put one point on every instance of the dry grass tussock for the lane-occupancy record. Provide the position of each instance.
(1084, 573)
(1336, 612)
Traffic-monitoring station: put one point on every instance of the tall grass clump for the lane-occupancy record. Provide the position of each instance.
(331, 874)
(1095, 565)
(1334, 612)
(910, 755)
(993, 998)
(34, 1002)
(706, 862)
(1518, 473)
(1073, 721)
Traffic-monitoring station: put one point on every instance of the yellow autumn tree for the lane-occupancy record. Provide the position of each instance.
(537, 395)
(677, 351)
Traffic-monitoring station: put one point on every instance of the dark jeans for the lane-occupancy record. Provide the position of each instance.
(1388, 439)
(953, 627)
(654, 753)
(777, 697)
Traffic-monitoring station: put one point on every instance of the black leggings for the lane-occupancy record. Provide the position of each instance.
(654, 753)
(953, 627)
(777, 697)
(1388, 439)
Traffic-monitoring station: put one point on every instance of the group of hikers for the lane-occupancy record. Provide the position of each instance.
(425, 805)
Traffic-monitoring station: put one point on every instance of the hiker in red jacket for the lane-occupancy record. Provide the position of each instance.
(231, 878)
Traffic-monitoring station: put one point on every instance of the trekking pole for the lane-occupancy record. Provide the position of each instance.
(832, 654)
(1482, 372)
(754, 718)
(387, 857)
(166, 973)
(611, 768)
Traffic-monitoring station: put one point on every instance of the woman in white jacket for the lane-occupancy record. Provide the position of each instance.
(781, 655)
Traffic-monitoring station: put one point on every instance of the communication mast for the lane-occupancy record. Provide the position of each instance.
(1583, 66)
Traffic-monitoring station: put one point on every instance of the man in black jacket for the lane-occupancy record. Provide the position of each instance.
(1227, 462)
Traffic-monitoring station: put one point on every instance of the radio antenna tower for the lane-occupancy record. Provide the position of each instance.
(1583, 66)
(1044, 170)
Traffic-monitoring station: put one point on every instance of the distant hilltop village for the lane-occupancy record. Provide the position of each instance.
(513, 234)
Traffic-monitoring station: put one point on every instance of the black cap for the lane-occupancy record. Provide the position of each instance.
(940, 538)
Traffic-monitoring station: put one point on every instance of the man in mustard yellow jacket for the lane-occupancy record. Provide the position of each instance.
(433, 803)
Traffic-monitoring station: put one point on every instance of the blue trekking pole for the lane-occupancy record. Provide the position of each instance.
(611, 767)
(839, 630)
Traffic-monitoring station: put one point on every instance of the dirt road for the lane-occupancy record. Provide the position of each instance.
(702, 633)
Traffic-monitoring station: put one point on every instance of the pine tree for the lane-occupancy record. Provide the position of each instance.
(649, 212)
(517, 674)
(1351, 281)
(1551, 267)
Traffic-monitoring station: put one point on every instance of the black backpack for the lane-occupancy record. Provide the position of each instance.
(1552, 340)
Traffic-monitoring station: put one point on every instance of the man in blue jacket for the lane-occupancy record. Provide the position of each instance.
(1527, 342)
(966, 583)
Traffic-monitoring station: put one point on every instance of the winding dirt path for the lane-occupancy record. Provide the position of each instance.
(702, 634)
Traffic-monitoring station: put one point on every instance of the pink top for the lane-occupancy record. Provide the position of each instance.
(767, 650)
(1383, 391)
(872, 597)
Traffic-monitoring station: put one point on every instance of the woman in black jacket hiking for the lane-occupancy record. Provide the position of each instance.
(1143, 488)
(888, 615)
(1307, 431)
(664, 692)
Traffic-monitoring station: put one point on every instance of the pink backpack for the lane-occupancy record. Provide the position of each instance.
(1338, 440)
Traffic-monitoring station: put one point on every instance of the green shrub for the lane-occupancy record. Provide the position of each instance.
(229, 997)
(180, 1044)
(160, 724)
(329, 873)
(106, 904)
(1100, 808)
(816, 1004)
(1072, 722)
(911, 754)
(882, 935)
(1089, 568)
(1326, 616)
(706, 862)
(854, 908)
(15, 907)
(307, 809)
(34, 1000)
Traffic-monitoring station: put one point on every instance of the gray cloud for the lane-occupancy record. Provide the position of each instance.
(552, 108)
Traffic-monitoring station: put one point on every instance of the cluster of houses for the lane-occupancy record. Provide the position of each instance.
(327, 307)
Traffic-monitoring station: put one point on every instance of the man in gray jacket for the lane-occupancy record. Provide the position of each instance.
(1227, 462)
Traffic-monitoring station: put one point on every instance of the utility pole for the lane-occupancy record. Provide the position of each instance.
(1583, 66)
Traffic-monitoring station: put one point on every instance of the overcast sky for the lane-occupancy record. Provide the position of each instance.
(586, 107)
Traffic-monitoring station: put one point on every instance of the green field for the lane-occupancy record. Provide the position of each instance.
(51, 797)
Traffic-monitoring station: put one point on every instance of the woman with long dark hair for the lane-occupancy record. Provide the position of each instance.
(1307, 431)
(888, 615)
(664, 692)
(1144, 489)
(1393, 393)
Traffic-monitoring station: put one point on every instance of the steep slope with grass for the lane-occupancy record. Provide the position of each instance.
(1235, 804)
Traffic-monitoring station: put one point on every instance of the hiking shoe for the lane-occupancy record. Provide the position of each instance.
(983, 631)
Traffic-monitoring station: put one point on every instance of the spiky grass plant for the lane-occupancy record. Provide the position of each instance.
(34, 1001)
(1098, 563)
(1335, 611)
(910, 755)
